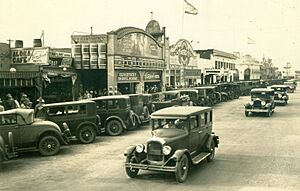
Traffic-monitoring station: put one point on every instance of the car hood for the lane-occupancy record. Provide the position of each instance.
(41, 122)
(167, 135)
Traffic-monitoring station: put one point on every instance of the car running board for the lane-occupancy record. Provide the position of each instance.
(200, 157)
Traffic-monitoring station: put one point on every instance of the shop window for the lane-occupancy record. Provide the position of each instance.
(216, 64)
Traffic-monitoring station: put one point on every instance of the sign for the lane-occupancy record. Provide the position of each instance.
(152, 76)
(31, 55)
(139, 45)
(192, 73)
(128, 76)
(88, 39)
(183, 51)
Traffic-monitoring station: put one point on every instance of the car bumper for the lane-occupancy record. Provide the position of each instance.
(280, 101)
(265, 110)
(151, 167)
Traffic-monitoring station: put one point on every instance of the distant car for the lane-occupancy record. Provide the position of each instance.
(80, 116)
(180, 136)
(28, 133)
(281, 96)
(148, 102)
(207, 95)
(262, 101)
(115, 113)
(192, 94)
(290, 86)
(171, 98)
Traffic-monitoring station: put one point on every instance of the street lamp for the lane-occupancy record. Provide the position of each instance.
(12, 70)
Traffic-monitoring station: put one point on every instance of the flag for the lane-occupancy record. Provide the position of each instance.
(250, 41)
(190, 9)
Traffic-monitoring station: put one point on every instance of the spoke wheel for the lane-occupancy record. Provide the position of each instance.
(131, 172)
(182, 169)
(114, 127)
(86, 134)
(49, 145)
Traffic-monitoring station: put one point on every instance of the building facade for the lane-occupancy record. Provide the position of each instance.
(247, 67)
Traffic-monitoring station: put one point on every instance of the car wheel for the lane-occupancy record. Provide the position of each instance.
(212, 151)
(246, 113)
(11, 144)
(131, 172)
(86, 134)
(114, 127)
(182, 169)
(49, 145)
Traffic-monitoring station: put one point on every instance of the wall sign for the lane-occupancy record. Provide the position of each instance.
(30, 55)
(152, 76)
(127, 76)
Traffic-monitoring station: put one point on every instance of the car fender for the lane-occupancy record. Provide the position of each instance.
(87, 123)
(179, 153)
(129, 150)
(137, 117)
(117, 118)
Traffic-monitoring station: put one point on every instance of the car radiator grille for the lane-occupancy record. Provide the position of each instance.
(257, 103)
(154, 151)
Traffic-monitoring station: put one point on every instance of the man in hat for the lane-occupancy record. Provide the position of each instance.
(39, 106)
(10, 102)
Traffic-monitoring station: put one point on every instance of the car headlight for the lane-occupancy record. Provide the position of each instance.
(167, 150)
(279, 95)
(139, 148)
(263, 103)
(202, 99)
(251, 102)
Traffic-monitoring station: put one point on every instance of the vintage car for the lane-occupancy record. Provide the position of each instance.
(147, 100)
(290, 86)
(140, 110)
(281, 96)
(192, 94)
(171, 98)
(29, 133)
(294, 81)
(262, 101)
(115, 113)
(180, 136)
(236, 90)
(223, 91)
(80, 116)
(207, 95)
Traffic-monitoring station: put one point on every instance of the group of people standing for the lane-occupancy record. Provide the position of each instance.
(10, 103)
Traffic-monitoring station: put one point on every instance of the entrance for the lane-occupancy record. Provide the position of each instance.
(152, 87)
(127, 88)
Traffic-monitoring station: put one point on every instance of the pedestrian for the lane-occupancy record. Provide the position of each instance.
(39, 106)
(25, 102)
(10, 103)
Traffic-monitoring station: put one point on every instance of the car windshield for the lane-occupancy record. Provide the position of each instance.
(170, 96)
(278, 89)
(262, 95)
(170, 124)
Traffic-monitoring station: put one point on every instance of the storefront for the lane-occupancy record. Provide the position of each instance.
(135, 61)
(183, 68)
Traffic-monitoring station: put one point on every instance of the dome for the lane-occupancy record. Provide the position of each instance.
(153, 27)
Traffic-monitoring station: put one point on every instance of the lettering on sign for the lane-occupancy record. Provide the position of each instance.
(151, 76)
(128, 76)
(30, 56)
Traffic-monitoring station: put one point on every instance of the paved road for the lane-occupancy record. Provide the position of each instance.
(256, 153)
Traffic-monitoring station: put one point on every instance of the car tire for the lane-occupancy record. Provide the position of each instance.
(133, 121)
(131, 172)
(86, 134)
(11, 143)
(49, 145)
(114, 127)
(182, 168)
(246, 113)
(212, 151)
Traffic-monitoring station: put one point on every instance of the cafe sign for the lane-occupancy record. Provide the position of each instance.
(151, 76)
(128, 76)
(31, 55)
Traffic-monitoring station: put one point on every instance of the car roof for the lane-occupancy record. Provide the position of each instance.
(205, 87)
(188, 90)
(278, 86)
(110, 97)
(261, 90)
(179, 111)
(68, 103)
(20, 111)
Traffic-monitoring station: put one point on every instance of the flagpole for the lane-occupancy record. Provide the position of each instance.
(182, 19)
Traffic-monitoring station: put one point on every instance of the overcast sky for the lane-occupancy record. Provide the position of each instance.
(225, 25)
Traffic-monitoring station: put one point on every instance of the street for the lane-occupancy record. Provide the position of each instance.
(255, 153)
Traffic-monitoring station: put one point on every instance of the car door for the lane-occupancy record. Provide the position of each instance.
(195, 132)
(9, 124)
(203, 129)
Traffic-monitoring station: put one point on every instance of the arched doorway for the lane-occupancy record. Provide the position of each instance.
(236, 75)
(247, 74)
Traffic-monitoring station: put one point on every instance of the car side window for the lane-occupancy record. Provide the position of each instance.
(56, 111)
(202, 120)
(113, 104)
(101, 104)
(9, 119)
(194, 122)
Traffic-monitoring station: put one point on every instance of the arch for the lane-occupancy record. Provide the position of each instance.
(247, 73)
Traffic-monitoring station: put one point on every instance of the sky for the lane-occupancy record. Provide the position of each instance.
(272, 25)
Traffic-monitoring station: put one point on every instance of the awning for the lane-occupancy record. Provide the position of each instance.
(19, 75)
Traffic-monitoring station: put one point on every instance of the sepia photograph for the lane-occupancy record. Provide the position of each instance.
(140, 95)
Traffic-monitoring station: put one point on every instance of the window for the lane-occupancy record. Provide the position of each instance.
(194, 122)
(202, 120)
(100, 105)
(56, 111)
(8, 119)
(75, 109)
(113, 104)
